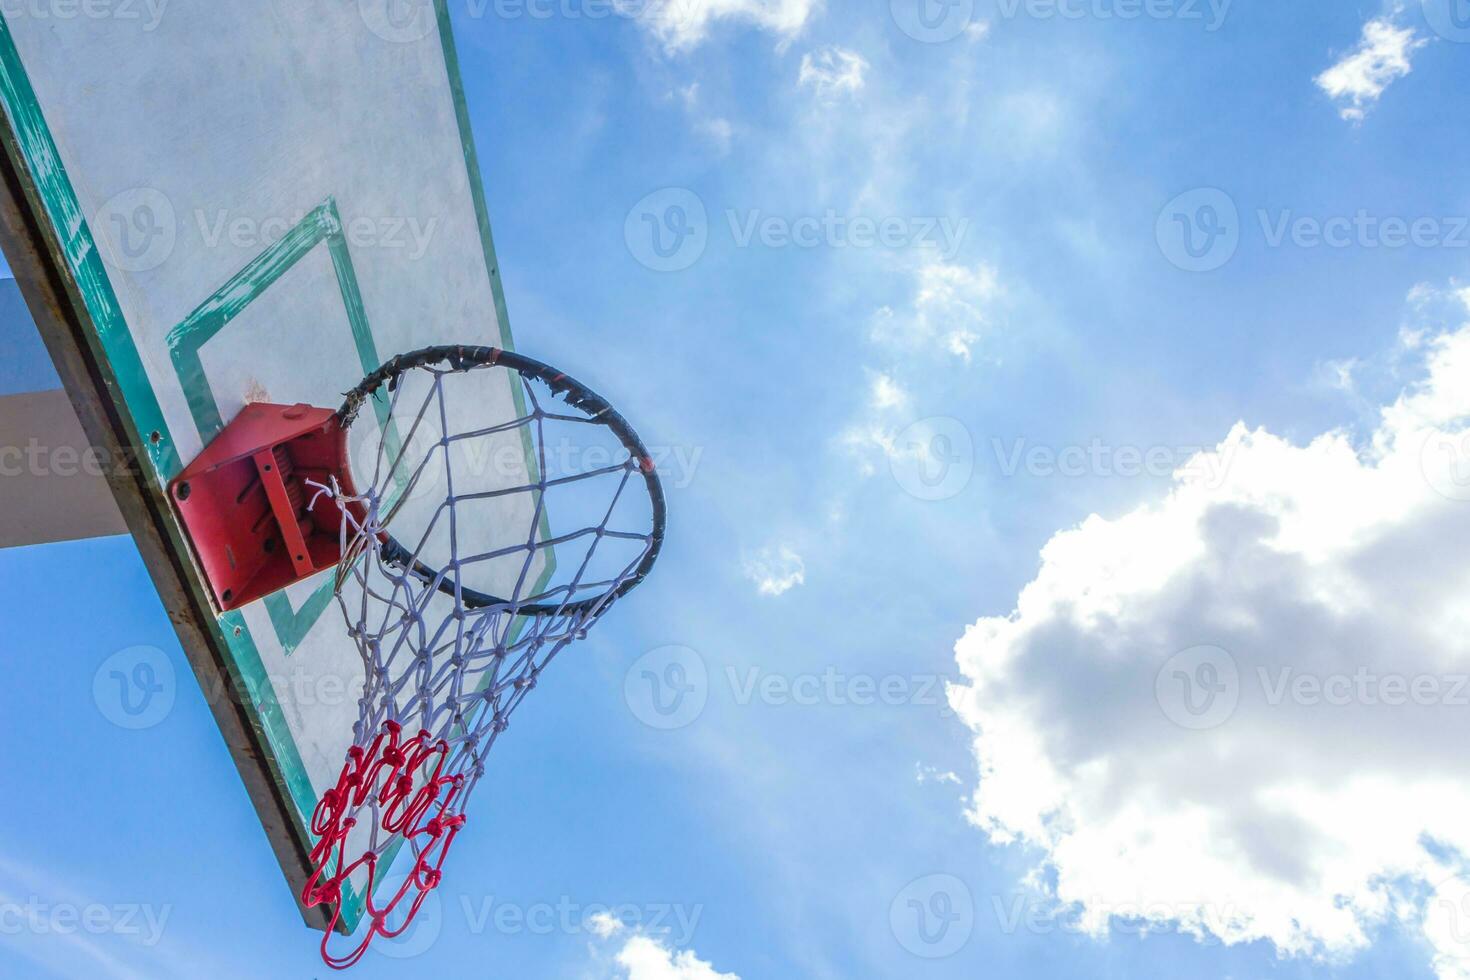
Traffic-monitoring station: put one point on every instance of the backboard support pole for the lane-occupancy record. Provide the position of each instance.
(52, 482)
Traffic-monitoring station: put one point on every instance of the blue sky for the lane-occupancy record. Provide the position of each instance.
(907, 305)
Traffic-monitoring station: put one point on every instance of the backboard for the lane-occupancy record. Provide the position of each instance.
(212, 204)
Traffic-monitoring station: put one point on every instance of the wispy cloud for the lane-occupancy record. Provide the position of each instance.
(717, 129)
(832, 72)
(69, 929)
(682, 25)
(1381, 56)
(950, 309)
(932, 774)
(775, 570)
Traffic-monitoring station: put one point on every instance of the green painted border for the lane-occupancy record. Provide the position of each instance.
(114, 351)
(121, 366)
(487, 241)
(321, 226)
(186, 341)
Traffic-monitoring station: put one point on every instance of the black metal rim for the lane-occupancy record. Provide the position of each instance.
(574, 393)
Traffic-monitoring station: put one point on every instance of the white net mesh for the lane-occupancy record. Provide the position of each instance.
(456, 622)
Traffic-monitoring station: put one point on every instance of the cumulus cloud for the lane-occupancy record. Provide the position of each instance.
(775, 570)
(832, 72)
(681, 25)
(951, 308)
(642, 957)
(1381, 56)
(1239, 711)
(647, 959)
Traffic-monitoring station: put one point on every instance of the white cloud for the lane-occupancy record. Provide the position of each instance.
(950, 309)
(681, 25)
(887, 393)
(604, 924)
(1300, 823)
(864, 439)
(775, 570)
(1381, 56)
(832, 72)
(647, 959)
(931, 774)
(642, 957)
(718, 131)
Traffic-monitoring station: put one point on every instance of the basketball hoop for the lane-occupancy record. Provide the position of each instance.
(457, 596)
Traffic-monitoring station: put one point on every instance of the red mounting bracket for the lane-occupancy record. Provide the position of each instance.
(247, 509)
